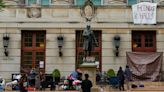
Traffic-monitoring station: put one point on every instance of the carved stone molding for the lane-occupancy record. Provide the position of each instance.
(60, 2)
(88, 10)
(11, 2)
(59, 13)
(8, 13)
(34, 12)
(114, 2)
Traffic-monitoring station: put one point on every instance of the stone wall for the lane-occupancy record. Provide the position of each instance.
(66, 63)
(11, 64)
(110, 21)
(109, 60)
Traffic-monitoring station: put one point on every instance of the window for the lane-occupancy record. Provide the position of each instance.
(39, 2)
(144, 41)
(81, 2)
(30, 2)
(33, 50)
(45, 2)
(96, 52)
(131, 2)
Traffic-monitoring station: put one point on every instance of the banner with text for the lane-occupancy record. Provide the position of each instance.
(144, 13)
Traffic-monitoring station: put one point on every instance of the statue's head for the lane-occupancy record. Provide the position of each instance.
(88, 26)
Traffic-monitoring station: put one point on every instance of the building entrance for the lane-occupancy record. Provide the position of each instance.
(33, 51)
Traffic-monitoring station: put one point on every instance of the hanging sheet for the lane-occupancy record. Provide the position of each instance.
(145, 66)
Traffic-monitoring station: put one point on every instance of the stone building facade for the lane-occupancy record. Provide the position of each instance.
(63, 17)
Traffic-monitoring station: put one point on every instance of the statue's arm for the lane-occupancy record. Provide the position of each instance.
(94, 38)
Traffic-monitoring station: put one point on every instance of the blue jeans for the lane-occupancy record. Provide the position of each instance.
(1, 88)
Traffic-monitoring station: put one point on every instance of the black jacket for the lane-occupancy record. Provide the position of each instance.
(86, 85)
(120, 75)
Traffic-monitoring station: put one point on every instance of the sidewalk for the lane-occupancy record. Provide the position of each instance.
(78, 91)
(152, 87)
(108, 89)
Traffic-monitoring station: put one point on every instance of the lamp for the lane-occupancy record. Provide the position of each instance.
(6, 43)
(60, 40)
(117, 44)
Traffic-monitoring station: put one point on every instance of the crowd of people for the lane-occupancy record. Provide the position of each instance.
(32, 81)
(28, 82)
(25, 81)
(36, 81)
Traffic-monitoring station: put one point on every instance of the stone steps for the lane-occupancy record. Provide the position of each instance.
(154, 83)
(148, 86)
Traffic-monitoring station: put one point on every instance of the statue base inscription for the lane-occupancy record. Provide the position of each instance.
(89, 59)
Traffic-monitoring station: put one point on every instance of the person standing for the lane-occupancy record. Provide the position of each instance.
(120, 75)
(128, 76)
(86, 84)
(42, 80)
(23, 85)
(2, 84)
(37, 82)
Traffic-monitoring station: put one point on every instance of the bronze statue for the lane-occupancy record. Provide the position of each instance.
(89, 39)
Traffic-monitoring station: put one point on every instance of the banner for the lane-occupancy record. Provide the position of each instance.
(144, 13)
(145, 66)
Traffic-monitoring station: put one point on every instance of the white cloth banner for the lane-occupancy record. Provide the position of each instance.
(144, 13)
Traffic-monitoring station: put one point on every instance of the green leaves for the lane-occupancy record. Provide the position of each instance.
(111, 73)
(2, 4)
(56, 73)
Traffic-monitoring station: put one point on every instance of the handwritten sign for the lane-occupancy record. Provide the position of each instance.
(41, 64)
(144, 13)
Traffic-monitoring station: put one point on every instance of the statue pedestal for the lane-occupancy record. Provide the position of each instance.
(90, 68)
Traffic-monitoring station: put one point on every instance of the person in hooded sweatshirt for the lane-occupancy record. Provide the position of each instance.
(86, 84)
(120, 75)
(128, 76)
